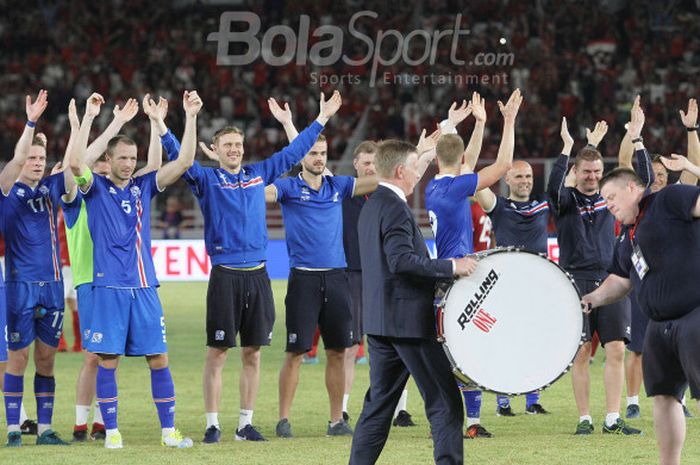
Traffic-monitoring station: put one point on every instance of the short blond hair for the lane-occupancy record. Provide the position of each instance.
(367, 146)
(450, 148)
(390, 154)
(227, 130)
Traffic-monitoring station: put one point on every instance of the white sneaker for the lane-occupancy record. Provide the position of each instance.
(175, 439)
(114, 441)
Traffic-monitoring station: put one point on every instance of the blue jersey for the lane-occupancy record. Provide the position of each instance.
(521, 224)
(233, 205)
(120, 225)
(449, 210)
(313, 220)
(29, 226)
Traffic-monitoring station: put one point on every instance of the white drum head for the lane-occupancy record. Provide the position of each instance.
(515, 325)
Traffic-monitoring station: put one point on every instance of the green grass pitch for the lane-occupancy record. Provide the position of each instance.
(522, 440)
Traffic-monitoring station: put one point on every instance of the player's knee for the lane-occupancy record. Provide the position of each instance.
(17, 361)
(156, 362)
(615, 350)
(250, 356)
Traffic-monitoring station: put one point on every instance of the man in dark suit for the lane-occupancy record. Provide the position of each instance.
(398, 281)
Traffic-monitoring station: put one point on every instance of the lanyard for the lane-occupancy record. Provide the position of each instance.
(633, 230)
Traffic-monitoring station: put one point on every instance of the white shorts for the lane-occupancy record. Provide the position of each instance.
(68, 288)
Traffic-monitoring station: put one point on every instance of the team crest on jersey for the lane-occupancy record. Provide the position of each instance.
(44, 190)
(305, 194)
(112, 190)
(20, 192)
(335, 196)
(135, 191)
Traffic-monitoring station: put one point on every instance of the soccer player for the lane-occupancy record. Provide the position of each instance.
(130, 319)
(658, 256)
(519, 220)
(80, 248)
(239, 298)
(585, 232)
(317, 290)
(33, 275)
(447, 202)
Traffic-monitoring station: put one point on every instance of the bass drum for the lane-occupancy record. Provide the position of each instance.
(514, 326)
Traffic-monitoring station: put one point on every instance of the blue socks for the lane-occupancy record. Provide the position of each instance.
(45, 392)
(163, 391)
(503, 401)
(532, 398)
(106, 393)
(472, 403)
(14, 390)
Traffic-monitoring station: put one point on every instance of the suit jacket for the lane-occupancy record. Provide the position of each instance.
(398, 275)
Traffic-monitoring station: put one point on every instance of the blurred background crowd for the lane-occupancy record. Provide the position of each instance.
(585, 60)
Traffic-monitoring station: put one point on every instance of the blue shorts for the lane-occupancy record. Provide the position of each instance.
(3, 325)
(34, 310)
(127, 322)
(84, 293)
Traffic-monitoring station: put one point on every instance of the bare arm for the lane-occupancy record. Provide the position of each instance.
(624, 155)
(270, 193)
(426, 150)
(171, 171)
(365, 185)
(156, 115)
(611, 290)
(121, 117)
(486, 199)
(690, 120)
(471, 153)
(491, 174)
(68, 179)
(284, 117)
(79, 148)
(11, 171)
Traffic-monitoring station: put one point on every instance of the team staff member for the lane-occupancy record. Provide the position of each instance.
(398, 284)
(363, 162)
(317, 290)
(586, 236)
(659, 256)
(518, 221)
(239, 297)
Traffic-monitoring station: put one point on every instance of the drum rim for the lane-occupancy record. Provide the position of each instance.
(458, 373)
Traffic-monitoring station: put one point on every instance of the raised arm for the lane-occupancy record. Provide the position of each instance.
(78, 167)
(426, 150)
(486, 199)
(690, 121)
(171, 171)
(471, 153)
(504, 160)
(156, 115)
(34, 110)
(68, 179)
(271, 193)
(624, 154)
(557, 177)
(121, 117)
(284, 117)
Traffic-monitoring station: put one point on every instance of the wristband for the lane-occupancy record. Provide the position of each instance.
(591, 145)
(85, 178)
(637, 139)
(692, 129)
(31, 124)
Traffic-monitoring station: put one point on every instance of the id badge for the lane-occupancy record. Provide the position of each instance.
(640, 264)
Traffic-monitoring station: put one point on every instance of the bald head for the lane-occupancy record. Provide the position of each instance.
(519, 180)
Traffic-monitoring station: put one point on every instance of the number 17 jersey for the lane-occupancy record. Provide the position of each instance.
(29, 226)
(120, 226)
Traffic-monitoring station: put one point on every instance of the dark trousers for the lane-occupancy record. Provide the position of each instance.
(391, 362)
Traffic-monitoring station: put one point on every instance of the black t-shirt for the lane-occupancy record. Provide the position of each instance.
(351, 214)
(669, 239)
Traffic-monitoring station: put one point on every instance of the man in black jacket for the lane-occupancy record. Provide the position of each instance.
(398, 280)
